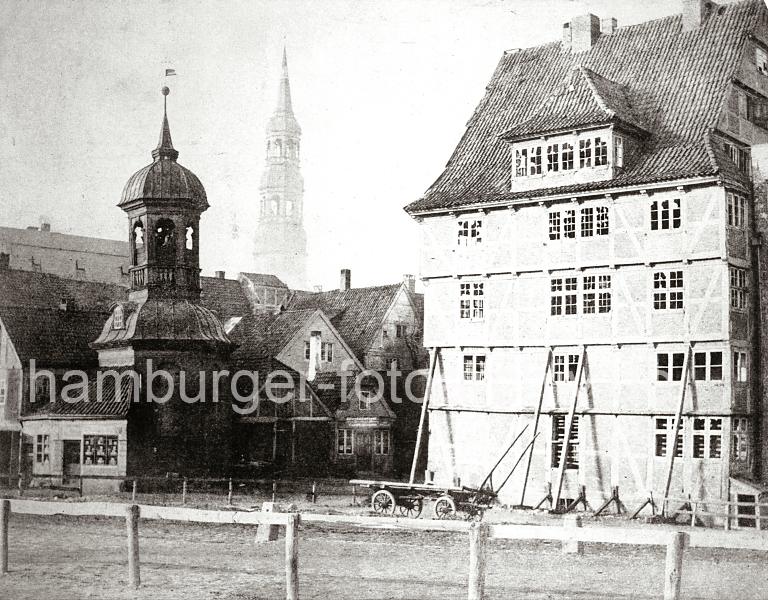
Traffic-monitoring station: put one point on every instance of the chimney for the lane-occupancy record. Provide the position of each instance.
(31, 228)
(410, 283)
(584, 32)
(5, 261)
(346, 280)
(608, 26)
(219, 274)
(45, 227)
(318, 288)
(695, 12)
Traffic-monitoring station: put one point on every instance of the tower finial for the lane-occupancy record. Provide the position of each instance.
(284, 103)
(165, 147)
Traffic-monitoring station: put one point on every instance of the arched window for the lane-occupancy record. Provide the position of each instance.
(288, 208)
(274, 206)
(164, 234)
(138, 240)
(278, 148)
(118, 318)
(190, 237)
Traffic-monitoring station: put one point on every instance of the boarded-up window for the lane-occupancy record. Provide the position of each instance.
(558, 439)
(664, 430)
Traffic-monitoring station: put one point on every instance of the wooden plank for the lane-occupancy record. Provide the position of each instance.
(422, 417)
(535, 432)
(388, 522)
(672, 446)
(568, 427)
(193, 515)
(600, 535)
(76, 509)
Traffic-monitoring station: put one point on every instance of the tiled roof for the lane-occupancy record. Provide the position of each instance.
(225, 297)
(105, 405)
(53, 337)
(584, 99)
(681, 76)
(264, 279)
(262, 336)
(356, 313)
(28, 288)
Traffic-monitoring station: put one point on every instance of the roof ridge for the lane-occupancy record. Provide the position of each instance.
(587, 73)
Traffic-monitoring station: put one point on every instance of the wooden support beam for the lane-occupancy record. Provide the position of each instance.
(672, 446)
(535, 432)
(488, 478)
(424, 406)
(568, 427)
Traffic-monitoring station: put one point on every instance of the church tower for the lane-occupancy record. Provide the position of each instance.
(281, 242)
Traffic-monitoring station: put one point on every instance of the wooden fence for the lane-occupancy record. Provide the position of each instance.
(479, 534)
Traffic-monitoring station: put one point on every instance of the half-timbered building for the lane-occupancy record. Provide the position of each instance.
(589, 259)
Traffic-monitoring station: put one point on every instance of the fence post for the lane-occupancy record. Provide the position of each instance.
(274, 491)
(292, 557)
(133, 492)
(229, 493)
(314, 493)
(673, 569)
(132, 526)
(478, 540)
(354, 495)
(572, 546)
(184, 491)
(5, 515)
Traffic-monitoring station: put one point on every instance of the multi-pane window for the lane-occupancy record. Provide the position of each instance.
(400, 330)
(308, 350)
(596, 294)
(739, 156)
(569, 224)
(601, 152)
(521, 162)
(669, 366)
(566, 156)
(737, 210)
(741, 441)
(534, 161)
(738, 288)
(707, 437)
(739, 366)
(563, 296)
(708, 366)
(553, 157)
(664, 432)
(42, 449)
(585, 153)
(381, 441)
(665, 214)
(554, 225)
(603, 224)
(587, 222)
(618, 151)
(668, 290)
(344, 441)
(100, 450)
(3, 388)
(565, 367)
(474, 367)
(326, 351)
(471, 297)
(43, 389)
(365, 399)
(558, 439)
(470, 232)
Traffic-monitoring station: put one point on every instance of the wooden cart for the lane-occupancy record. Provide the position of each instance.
(407, 499)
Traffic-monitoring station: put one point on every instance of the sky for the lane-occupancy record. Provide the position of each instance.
(382, 90)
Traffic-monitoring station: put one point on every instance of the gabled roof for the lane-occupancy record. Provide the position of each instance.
(107, 405)
(225, 297)
(681, 76)
(263, 279)
(29, 288)
(356, 313)
(585, 99)
(263, 335)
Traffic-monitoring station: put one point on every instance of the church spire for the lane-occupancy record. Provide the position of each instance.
(284, 104)
(165, 147)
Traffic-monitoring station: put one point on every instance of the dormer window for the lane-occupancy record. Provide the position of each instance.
(618, 151)
(521, 163)
(566, 156)
(585, 154)
(535, 161)
(118, 318)
(761, 60)
(601, 152)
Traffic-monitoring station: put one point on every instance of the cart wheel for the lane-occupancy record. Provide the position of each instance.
(475, 513)
(383, 502)
(411, 507)
(445, 507)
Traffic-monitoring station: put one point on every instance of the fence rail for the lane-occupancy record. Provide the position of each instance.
(479, 534)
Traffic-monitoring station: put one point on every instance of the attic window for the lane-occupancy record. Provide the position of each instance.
(118, 318)
(470, 232)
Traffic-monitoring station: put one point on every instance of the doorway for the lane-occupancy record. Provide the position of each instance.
(71, 461)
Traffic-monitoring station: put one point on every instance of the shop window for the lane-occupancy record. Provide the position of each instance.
(42, 449)
(100, 450)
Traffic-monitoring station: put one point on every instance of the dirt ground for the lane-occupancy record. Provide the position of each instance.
(73, 558)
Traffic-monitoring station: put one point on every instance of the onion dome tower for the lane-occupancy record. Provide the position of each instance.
(164, 322)
(280, 246)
